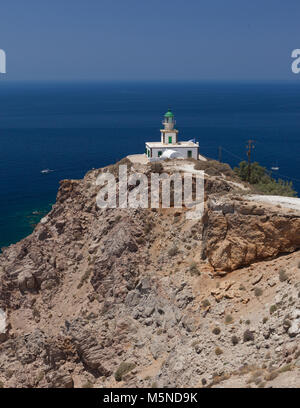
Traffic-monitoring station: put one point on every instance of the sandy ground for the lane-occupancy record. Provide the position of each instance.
(138, 158)
(287, 202)
(142, 159)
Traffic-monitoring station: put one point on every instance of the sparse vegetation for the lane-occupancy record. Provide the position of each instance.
(156, 167)
(148, 227)
(262, 180)
(271, 376)
(258, 292)
(214, 168)
(228, 319)
(273, 309)
(88, 384)
(194, 270)
(173, 251)
(218, 351)
(248, 336)
(285, 368)
(282, 275)
(123, 369)
(234, 340)
(84, 278)
(205, 303)
(216, 330)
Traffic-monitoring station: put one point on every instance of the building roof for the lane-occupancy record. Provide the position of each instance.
(169, 114)
(170, 145)
(171, 154)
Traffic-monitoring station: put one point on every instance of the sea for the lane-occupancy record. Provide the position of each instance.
(71, 127)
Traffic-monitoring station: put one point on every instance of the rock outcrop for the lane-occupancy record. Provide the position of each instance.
(92, 291)
(238, 233)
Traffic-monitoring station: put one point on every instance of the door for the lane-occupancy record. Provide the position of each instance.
(189, 153)
(170, 139)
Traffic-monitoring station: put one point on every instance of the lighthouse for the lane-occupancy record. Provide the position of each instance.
(169, 135)
(169, 146)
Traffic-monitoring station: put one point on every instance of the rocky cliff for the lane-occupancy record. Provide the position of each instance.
(145, 298)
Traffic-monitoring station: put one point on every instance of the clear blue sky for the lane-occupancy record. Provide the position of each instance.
(149, 39)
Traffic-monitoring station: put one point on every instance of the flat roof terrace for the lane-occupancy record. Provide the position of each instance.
(170, 145)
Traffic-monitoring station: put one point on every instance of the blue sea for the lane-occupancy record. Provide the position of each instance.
(72, 127)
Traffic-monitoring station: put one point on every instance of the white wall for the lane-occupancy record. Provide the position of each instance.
(165, 137)
(182, 150)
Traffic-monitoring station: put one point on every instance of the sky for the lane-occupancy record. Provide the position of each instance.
(149, 39)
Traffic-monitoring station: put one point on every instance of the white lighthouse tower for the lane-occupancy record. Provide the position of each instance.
(169, 135)
(169, 146)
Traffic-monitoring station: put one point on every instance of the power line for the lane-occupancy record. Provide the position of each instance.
(242, 159)
(249, 147)
(288, 177)
(232, 154)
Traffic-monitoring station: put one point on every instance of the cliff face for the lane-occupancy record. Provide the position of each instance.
(238, 232)
(139, 297)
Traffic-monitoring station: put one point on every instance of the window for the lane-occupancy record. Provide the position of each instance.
(189, 153)
(170, 139)
(148, 152)
(159, 153)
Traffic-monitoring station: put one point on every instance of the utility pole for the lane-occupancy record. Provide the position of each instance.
(220, 154)
(250, 146)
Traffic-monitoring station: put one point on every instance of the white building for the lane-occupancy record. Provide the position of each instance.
(169, 147)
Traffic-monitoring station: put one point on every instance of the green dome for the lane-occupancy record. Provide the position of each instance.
(169, 114)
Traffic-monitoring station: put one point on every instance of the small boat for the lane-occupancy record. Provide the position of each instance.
(275, 168)
(45, 171)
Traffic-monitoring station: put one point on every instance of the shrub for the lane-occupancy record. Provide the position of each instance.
(258, 292)
(214, 168)
(248, 335)
(262, 385)
(205, 303)
(117, 219)
(156, 167)
(194, 270)
(282, 275)
(265, 319)
(216, 330)
(123, 369)
(271, 376)
(173, 251)
(285, 368)
(287, 324)
(84, 278)
(273, 309)
(234, 340)
(148, 227)
(218, 351)
(247, 322)
(228, 319)
(88, 384)
(263, 182)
